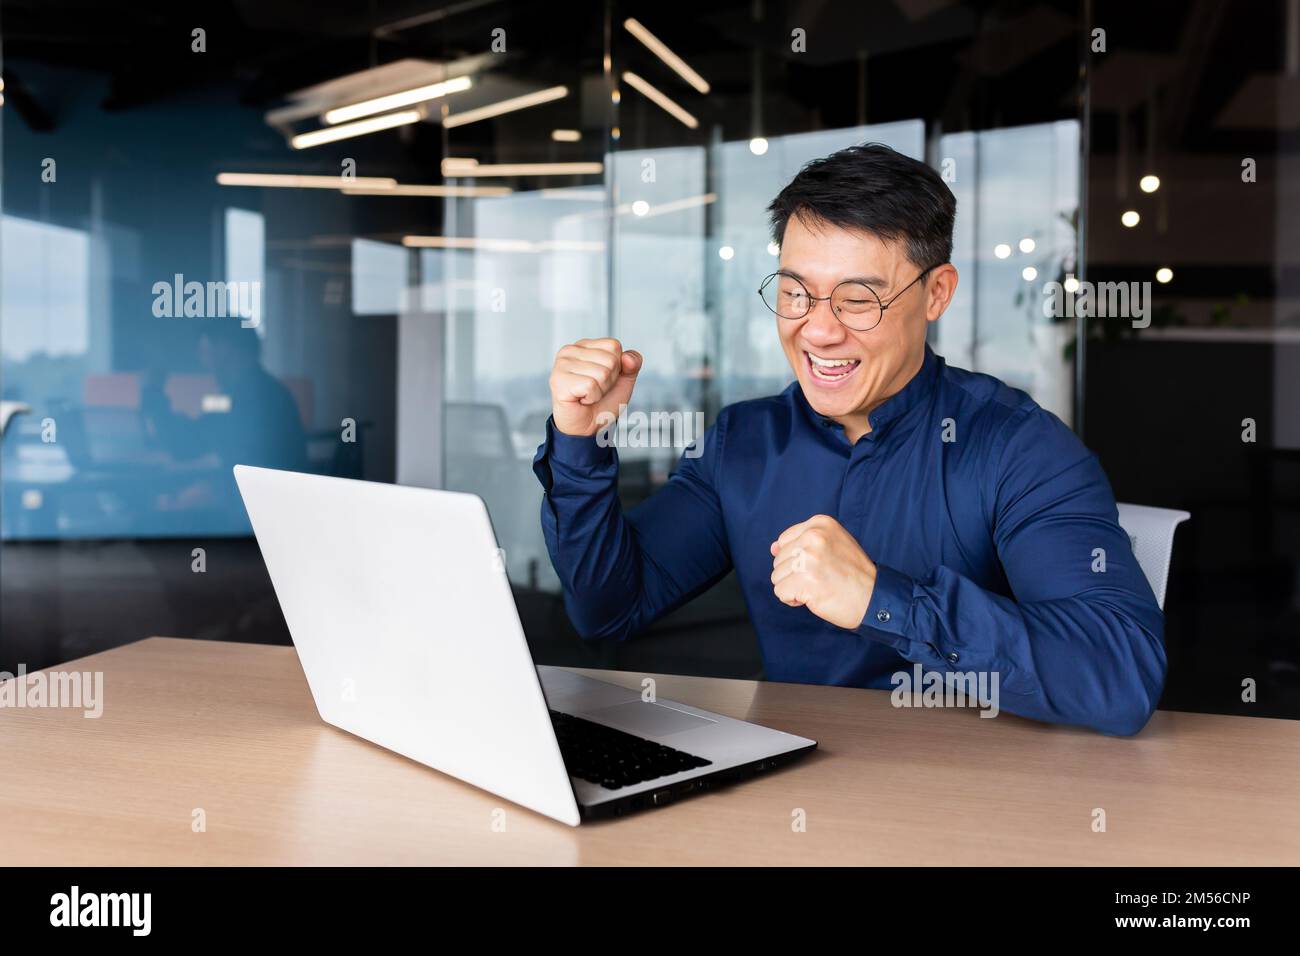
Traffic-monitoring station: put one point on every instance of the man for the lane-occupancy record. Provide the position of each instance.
(886, 509)
(260, 425)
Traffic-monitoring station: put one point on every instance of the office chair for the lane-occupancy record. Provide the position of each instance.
(8, 410)
(1151, 530)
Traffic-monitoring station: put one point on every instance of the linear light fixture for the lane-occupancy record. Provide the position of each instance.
(284, 181)
(468, 168)
(658, 98)
(677, 205)
(659, 49)
(467, 242)
(381, 104)
(452, 120)
(581, 194)
(413, 189)
(360, 128)
(662, 209)
(566, 135)
(502, 245)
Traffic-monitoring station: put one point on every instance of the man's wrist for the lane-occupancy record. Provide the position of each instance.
(870, 589)
(889, 609)
(578, 450)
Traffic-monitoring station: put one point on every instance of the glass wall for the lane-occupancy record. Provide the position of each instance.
(159, 327)
(178, 298)
(175, 301)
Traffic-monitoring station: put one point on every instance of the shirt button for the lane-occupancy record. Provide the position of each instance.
(882, 616)
(954, 657)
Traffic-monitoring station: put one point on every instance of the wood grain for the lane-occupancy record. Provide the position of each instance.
(231, 729)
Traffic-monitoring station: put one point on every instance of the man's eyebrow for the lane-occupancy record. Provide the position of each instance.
(875, 281)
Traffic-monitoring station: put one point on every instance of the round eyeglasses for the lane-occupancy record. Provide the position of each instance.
(854, 303)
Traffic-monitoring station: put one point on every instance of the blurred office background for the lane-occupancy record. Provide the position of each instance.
(395, 319)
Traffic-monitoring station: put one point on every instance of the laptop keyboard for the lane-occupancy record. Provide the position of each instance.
(615, 759)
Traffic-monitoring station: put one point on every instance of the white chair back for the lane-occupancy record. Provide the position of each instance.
(1151, 530)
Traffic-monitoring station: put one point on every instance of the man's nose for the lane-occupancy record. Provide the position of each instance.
(821, 326)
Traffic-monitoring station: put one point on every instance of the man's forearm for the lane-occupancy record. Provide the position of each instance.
(586, 534)
(1095, 659)
(622, 571)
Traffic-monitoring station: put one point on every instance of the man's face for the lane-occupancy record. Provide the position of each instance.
(880, 361)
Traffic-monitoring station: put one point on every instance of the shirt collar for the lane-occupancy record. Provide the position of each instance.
(914, 393)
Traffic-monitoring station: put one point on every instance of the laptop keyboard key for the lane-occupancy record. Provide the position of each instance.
(614, 759)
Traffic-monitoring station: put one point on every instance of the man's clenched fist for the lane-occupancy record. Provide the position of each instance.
(589, 377)
(818, 565)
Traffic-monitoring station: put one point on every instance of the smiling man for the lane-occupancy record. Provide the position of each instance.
(885, 510)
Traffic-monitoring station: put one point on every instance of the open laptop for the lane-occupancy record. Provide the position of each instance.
(399, 606)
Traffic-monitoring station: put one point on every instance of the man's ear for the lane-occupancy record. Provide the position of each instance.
(940, 286)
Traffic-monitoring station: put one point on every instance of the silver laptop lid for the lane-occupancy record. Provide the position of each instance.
(401, 612)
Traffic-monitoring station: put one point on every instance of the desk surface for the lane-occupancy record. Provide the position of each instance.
(230, 729)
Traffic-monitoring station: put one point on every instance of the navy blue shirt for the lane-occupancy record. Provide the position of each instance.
(993, 529)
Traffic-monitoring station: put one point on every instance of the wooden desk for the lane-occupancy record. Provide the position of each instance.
(231, 729)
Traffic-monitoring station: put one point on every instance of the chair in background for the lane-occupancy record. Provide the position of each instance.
(8, 410)
(1151, 530)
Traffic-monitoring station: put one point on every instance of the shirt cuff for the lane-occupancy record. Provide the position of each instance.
(577, 455)
(889, 615)
(892, 617)
(580, 451)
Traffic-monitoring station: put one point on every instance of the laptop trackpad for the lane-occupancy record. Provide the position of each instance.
(647, 720)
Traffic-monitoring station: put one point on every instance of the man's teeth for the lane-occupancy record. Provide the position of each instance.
(830, 363)
(831, 369)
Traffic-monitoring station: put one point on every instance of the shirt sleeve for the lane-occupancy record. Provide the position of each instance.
(622, 571)
(1081, 640)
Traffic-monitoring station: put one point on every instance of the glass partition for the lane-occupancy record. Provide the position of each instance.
(212, 273)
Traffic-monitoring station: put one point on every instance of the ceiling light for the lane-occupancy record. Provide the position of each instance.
(657, 47)
(727, 253)
(1149, 184)
(502, 245)
(1027, 244)
(565, 135)
(413, 189)
(1002, 250)
(1130, 218)
(1164, 274)
(677, 205)
(360, 128)
(579, 193)
(277, 180)
(392, 101)
(462, 168)
(452, 120)
(1029, 273)
(758, 145)
(663, 102)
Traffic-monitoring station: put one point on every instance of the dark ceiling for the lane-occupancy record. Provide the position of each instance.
(961, 64)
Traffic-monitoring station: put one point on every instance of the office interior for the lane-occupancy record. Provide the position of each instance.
(406, 304)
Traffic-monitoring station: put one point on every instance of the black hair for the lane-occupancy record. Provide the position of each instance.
(875, 189)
